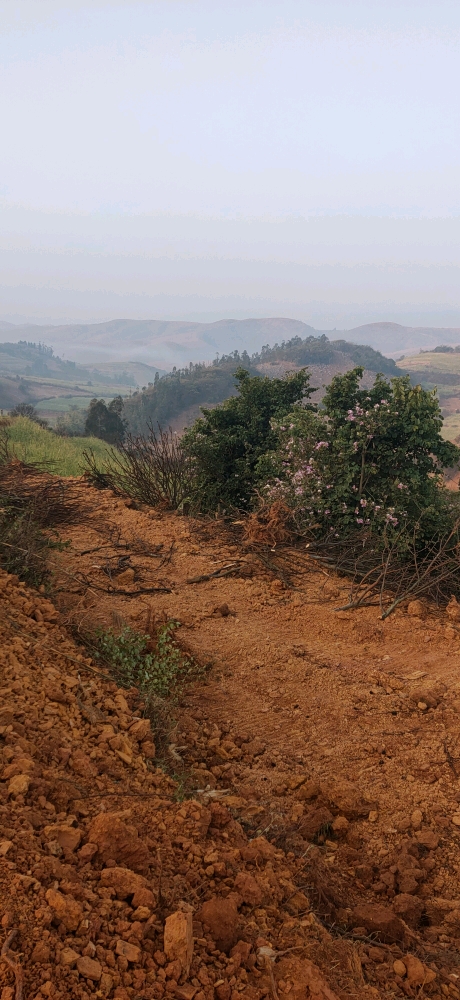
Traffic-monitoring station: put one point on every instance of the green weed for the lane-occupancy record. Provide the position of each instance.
(161, 673)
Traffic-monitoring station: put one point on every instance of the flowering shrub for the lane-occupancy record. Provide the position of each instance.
(371, 458)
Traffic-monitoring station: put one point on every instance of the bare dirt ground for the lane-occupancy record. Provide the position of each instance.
(332, 735)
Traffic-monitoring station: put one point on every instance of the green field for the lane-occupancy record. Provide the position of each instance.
(433, 360)
(64, 456)
(451, 427)
(60, 404)
(439, 370)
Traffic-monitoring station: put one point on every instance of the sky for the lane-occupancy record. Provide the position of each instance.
(199, 160)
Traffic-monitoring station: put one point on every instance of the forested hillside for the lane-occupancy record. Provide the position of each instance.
(182, 392)
(176, 398)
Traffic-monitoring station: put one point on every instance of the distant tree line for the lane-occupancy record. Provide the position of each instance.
(105, 420)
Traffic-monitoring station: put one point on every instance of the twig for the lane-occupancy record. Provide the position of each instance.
(109, 545)
(223, 571)
(160, 875)
(18, 973)
(268, 966)
(141, 590)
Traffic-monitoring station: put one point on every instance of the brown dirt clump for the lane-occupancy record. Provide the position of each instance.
(317, 854)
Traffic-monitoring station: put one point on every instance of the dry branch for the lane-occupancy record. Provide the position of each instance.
(8, 957)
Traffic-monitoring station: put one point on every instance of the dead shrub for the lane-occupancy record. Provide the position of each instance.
(152, 469)
(270, 525)
(52, 502)
(33, 506)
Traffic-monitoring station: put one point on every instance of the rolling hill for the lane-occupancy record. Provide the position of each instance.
(392, 338)
(31, 373)
(164, 343)
(175, 399)
(439, 370)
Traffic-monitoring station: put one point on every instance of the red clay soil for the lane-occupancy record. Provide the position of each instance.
(317, 846)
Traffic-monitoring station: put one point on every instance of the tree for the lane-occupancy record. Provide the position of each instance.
(106, 422)
(228, 442)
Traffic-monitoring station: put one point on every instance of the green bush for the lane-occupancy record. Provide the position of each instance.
(370, 459)
(161, 673)
(227, 443)
(72, 422)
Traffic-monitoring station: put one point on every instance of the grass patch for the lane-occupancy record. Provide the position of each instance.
(38, 446)
(60, 404)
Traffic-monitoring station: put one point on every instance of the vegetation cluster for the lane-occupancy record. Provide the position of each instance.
(199, 385)
(360, 475)
(158, 670)
(105, 420)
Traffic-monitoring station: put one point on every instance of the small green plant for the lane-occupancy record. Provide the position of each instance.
(160, 673)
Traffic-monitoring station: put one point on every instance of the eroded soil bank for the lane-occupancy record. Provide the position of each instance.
(319, 762)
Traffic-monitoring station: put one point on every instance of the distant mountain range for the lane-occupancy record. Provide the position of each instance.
(165, 343)
(394, 339)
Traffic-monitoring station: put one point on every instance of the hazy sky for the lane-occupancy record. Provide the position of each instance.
(201, 159)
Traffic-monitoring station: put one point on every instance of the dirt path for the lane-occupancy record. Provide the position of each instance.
(334, 734)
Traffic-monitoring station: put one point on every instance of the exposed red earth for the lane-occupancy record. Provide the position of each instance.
(300, 838)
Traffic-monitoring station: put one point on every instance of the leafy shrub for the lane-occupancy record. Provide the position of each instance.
(162, 672)
(371, 459)
(228, 442)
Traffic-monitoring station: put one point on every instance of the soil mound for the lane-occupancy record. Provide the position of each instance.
(306, 845)
(110, 885)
